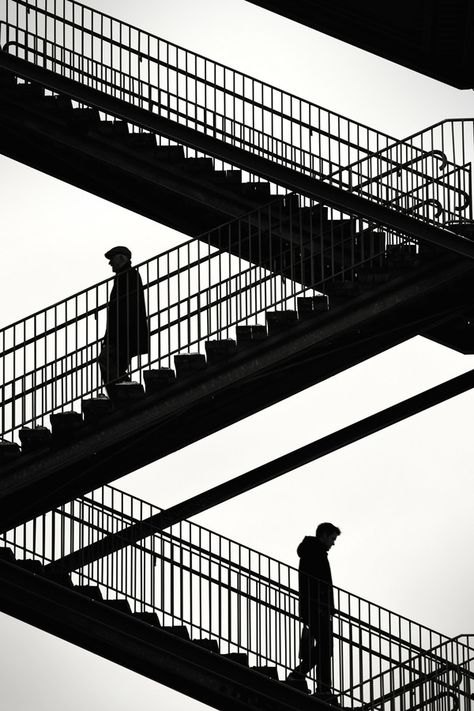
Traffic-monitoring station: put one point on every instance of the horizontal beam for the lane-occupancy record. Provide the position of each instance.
(265, 473)
(291, 179)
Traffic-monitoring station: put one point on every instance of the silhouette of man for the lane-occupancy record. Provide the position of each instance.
(316, 603)
(126, 334)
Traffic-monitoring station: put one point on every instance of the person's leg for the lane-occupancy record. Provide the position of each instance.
(113, 366)
(307, 654)
(323, 656)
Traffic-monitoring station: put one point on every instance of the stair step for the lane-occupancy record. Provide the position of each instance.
(34, 438)
(238, 658)
(280, 321)
(58, 104)
(316, 216)
(151, 618)
(272, 672)
(141, 140)
(92, 591)
(210, 644)
(373, 276)
(171, 154)
(220, 351)
(401, 253)
(83, 119)
(188, 364)
(6, 554)
(8, 451)
(119, 606)
(233, 176)
(371, 242)
(311, 306)
(59, 577)
(95, 408)
(250, 335)
(158, 380)
(113, 128)
(298, 684)
(66, 425)
(178, 630)
(126, 393)
(257, 189)
(291, 203)
(199, 164)
(32, 565)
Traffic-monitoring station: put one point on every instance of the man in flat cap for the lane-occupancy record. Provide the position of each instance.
(126, 334)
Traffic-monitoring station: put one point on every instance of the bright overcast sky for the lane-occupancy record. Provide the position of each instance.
(403, 498)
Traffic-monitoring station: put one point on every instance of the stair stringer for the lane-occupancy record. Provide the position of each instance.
(151, 652)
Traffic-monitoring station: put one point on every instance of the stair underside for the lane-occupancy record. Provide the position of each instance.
(149, 651)
(253, 379)
(163, 192)
(293, 180)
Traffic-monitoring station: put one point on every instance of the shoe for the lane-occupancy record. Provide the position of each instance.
(295, 676)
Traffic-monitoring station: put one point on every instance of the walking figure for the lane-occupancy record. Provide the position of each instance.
(316, 608)
(126, 334)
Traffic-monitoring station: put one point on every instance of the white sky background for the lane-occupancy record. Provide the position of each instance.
(403, 497)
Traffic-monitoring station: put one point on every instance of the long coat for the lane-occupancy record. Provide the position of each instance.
(127, 325)
(315, 581)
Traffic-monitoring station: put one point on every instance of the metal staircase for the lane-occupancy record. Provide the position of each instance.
(317, 242)
(110, 100)
(231, 313)
(216, 618)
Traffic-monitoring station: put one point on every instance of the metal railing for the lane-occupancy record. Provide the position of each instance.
(101, 52)
(446, 144)
(201, 290)
(248, 602)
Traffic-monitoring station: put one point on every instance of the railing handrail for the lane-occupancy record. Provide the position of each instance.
(297, 121)
(404, 142)
(270, 558)
(379, 658)
(143, 55)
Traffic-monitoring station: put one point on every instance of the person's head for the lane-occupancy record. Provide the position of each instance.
(326, 534)
(119, 258)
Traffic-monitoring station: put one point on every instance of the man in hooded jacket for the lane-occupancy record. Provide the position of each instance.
(126, 333)
(316, 604)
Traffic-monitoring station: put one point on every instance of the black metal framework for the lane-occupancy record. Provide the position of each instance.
(203, 289)
(123, 61)
(248, 603)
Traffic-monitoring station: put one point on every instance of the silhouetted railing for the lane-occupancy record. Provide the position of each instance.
(436, 151)
(198, 291)
(248, 602)
(99, 51)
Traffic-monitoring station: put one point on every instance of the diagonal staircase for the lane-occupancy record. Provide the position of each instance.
(152, 126)
(231, 314)
(320, 242)
(213, 618)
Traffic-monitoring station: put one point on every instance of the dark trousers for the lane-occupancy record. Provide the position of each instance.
(316, 649)
(113, 366)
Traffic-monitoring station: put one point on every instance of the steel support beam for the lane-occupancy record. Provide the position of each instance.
(265, 473)
(294, 180)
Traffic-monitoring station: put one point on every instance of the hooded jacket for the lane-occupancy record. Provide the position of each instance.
(315, 581)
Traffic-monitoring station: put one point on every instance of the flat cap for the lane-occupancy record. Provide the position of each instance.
(118, 250)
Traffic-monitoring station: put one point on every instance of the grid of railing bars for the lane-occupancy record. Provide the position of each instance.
(248, 602)
(198, 291)
(145, 70)
(447, 148)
